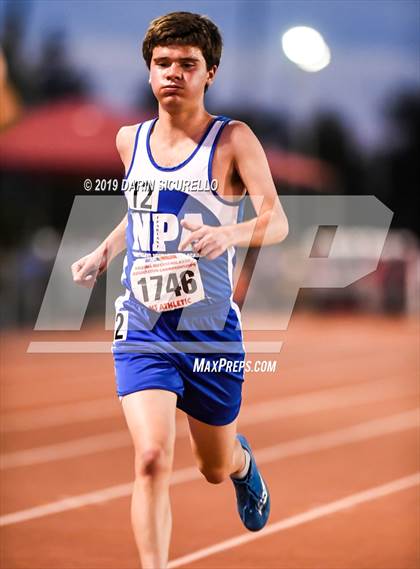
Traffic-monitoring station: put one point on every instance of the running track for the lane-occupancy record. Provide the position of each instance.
(334, 429)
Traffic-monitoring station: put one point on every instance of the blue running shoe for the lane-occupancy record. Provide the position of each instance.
(252, 494)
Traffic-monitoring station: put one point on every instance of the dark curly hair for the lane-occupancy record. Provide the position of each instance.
(184, 28)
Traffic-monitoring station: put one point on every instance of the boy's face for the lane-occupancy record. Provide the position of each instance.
(178, 74)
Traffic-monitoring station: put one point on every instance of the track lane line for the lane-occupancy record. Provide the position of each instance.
(295, 405)
(318, 512)
(359, 432)
(104, 407)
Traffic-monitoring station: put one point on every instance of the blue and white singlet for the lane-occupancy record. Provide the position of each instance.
(160, 197)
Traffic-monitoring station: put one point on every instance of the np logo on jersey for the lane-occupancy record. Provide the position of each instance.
(159, 232)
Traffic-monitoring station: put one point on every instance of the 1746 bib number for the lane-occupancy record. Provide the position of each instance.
(167, 282)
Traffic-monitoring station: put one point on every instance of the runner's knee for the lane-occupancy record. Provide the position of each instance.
(151, 462)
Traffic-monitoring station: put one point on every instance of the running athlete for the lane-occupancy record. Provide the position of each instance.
(187, 172)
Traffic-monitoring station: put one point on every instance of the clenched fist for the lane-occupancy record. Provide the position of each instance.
(86, 270)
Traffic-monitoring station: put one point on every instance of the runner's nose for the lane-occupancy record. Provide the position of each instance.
(174, 71)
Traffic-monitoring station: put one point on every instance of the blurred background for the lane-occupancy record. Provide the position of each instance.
(71, 73)
(337, 108)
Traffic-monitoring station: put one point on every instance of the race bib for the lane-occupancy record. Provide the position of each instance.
(167, 282)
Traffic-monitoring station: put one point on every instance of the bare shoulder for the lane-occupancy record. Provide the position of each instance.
(238, 128)
(237, 136)
(125, 143)
(125, 139)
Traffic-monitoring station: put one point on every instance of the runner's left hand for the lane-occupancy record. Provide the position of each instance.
(206, 240)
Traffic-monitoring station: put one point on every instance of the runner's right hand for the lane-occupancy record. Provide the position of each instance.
(86, 270)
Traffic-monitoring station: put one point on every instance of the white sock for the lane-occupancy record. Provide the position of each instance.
(245, 469)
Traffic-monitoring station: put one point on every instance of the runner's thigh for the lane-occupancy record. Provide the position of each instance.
(150, 416)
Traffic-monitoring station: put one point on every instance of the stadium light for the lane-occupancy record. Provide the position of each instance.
(306, 48)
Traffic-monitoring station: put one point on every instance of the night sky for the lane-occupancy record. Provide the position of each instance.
(374, 46)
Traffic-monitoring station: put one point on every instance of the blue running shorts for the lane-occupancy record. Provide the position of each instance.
(195, 352)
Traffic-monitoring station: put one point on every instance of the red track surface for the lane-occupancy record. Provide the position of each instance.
(333, 373)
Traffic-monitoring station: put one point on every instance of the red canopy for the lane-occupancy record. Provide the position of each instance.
(69, 136)
(298, 170)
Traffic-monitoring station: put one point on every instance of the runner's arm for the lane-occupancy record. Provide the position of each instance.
(270, 225)
(87, 269)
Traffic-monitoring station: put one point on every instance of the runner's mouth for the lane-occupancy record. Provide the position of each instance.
(171, 88)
